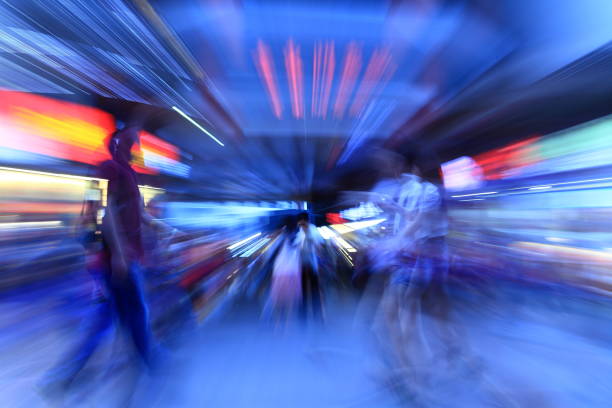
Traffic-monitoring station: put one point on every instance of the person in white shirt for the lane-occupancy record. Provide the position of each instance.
(414, 256)
(286, 287)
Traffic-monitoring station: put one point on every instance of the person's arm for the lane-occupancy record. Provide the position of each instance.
(111, 228)
(430, 201)
(115, 241)
(409, 230)
(157, 225)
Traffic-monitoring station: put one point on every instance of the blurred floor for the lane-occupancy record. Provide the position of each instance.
(534, 347)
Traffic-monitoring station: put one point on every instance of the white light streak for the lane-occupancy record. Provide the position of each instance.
(244, 241)
(255, 248)
(326, 232)
(557, 239)
(196, 124)
(475, 194)
(44, 173)
(364, 224)
(31, 224)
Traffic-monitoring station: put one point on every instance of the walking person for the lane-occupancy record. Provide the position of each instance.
(120, 260)
(310, 242)
(286, 286)
(414, 254)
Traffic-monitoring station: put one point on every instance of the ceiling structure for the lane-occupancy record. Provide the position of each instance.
(300, 91)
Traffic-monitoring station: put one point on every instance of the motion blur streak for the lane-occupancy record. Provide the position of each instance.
(75, 132)
(265, 67)
(295, 76)
(196, 124)
(239, 243)
(53, 128)
(297, 204)
(377, 73)
(324, 64)
(350, 71)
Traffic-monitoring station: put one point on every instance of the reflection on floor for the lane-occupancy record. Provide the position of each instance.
(535, 347)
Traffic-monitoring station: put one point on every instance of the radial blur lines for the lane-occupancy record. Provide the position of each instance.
(265, 67)
(350, 71)
(379, 71)
(323, 66)
(295, 77)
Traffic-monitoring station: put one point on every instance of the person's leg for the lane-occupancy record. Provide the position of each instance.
(96, 328)
(304, 304)
(134, 313)
(315, 295)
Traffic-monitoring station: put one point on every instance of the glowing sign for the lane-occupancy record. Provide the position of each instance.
(53, 128)
(68, 131)
(461, 174)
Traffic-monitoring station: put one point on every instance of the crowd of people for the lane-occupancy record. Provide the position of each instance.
(405, 265)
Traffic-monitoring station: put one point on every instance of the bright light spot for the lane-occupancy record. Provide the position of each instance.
(364, 224)
(342, 228)
(557, 239)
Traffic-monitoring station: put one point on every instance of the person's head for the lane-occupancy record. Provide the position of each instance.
(303, 219)
(289, 223)
(121, 143)
(388, 164)
(423, 164)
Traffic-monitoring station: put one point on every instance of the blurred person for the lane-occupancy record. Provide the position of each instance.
(286, 285)
(121, 257)
(415, 256)
(310, 242)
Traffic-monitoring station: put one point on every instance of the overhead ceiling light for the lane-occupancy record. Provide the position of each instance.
(196, 124)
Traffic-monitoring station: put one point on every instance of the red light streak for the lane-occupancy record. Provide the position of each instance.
(154, 144)
(496, 163)
(334, 218)
(316, 68)
(350, 71)
(293, 65)
(324, 64)
(328, 76)
(265, 68)
(379, 71)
